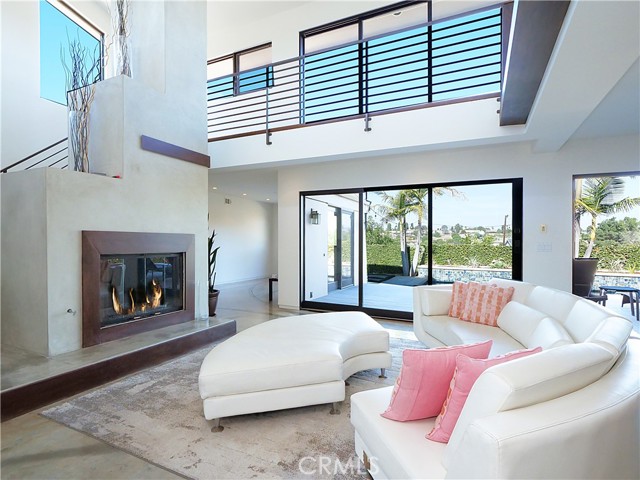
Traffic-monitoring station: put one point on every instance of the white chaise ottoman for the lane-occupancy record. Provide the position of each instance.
(290, 362)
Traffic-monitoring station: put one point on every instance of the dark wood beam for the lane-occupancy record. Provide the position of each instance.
(174, 151)
(537, 25)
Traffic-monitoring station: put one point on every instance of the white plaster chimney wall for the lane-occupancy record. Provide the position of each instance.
(45, 210)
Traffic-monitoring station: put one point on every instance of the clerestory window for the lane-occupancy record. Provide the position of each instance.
(242, 72)
(64, 30)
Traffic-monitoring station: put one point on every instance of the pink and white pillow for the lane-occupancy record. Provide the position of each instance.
(466, 373)
(484, 302)
(421, 387)
(458, 298)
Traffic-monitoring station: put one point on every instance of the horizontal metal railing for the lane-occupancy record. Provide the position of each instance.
(439, 61)
(55, 155)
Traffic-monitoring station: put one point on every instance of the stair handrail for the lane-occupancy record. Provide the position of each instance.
(19, 162)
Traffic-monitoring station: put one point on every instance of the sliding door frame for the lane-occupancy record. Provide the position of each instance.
(517, 239)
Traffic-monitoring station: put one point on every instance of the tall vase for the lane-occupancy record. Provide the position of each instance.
(122, 53)
(78, 141)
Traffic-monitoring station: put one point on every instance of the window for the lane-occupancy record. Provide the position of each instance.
(60, 26)
(240, 72)
(390, 58)
(369, 247)
(606, 232)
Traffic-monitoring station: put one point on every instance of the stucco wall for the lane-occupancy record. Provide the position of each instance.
(155, 194)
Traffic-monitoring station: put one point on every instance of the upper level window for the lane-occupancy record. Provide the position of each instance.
(391, 58)
(59, 27)
(242, 72)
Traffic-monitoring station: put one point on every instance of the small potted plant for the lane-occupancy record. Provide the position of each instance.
(213, 293)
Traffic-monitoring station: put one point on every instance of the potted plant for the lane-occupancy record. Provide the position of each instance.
(213, 293)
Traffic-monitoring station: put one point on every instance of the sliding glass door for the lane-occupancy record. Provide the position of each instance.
(415, 235)
(330, 248)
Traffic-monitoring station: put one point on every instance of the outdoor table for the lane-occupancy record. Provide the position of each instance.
(631, 292)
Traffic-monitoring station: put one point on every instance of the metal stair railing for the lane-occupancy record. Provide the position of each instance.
(53, 155)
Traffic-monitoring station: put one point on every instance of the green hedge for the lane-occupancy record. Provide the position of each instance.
(388, 255)
(477, 255)
(624, 257)
(615, 257)
(443, 254)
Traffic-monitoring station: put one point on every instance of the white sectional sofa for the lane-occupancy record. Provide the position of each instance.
(570, 411)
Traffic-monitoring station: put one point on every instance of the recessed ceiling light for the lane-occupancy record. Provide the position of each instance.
(268, 199)
(214, 188)
(244, 194)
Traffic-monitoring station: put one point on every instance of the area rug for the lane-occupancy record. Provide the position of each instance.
(157, 415)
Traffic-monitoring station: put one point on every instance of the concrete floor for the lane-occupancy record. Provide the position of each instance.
(34, 447)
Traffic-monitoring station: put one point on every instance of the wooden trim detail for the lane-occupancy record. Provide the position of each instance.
(96, 243)
(151, 144)
(20, 400)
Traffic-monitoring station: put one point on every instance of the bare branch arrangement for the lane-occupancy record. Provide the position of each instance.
(121, 32)
(81, 74)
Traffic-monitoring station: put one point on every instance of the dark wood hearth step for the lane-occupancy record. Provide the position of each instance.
(22, 399)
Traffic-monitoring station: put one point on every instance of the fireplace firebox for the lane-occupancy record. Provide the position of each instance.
(134, 282)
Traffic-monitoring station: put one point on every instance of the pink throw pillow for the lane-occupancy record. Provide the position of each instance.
(467, 372)
(421, 387)
(458, 298)
(484, 302)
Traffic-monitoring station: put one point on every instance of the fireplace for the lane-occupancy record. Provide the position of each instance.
(135, 282)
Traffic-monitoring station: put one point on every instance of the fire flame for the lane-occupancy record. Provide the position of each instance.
(156, 293)
(116, 303)
(152, 300)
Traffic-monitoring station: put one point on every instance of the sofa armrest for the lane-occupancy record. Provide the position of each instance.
(431, 300)
(590, 433)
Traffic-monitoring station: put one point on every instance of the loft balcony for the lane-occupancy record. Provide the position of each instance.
(450, 60)
(328, 101)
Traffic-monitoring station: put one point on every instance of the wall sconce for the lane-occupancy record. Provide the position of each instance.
(315, 217)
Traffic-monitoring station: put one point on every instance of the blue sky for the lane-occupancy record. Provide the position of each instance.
(56, 30)
(479, 205)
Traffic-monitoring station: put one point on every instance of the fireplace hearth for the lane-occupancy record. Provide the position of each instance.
(135, 282)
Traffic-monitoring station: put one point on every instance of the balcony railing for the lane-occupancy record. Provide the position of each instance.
(455, 58)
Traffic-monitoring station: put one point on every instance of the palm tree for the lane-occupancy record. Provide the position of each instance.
(418, 199)
(397, 207)
(599, 196)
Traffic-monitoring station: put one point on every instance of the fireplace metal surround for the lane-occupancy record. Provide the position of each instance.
(98, 243)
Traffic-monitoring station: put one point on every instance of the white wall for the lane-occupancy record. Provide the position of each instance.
(547, 194)
(316, 249)
(245, 232)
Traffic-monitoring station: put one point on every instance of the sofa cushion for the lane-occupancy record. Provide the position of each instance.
(531, 327)
(396, 450)
(521, 290)
(549, 374)
(467, 372)
(549, 334)
(452, 331)
(555, 303)
(434, 301)
(459, 298)
(422, 385)
(484, 302)
(584, 320)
